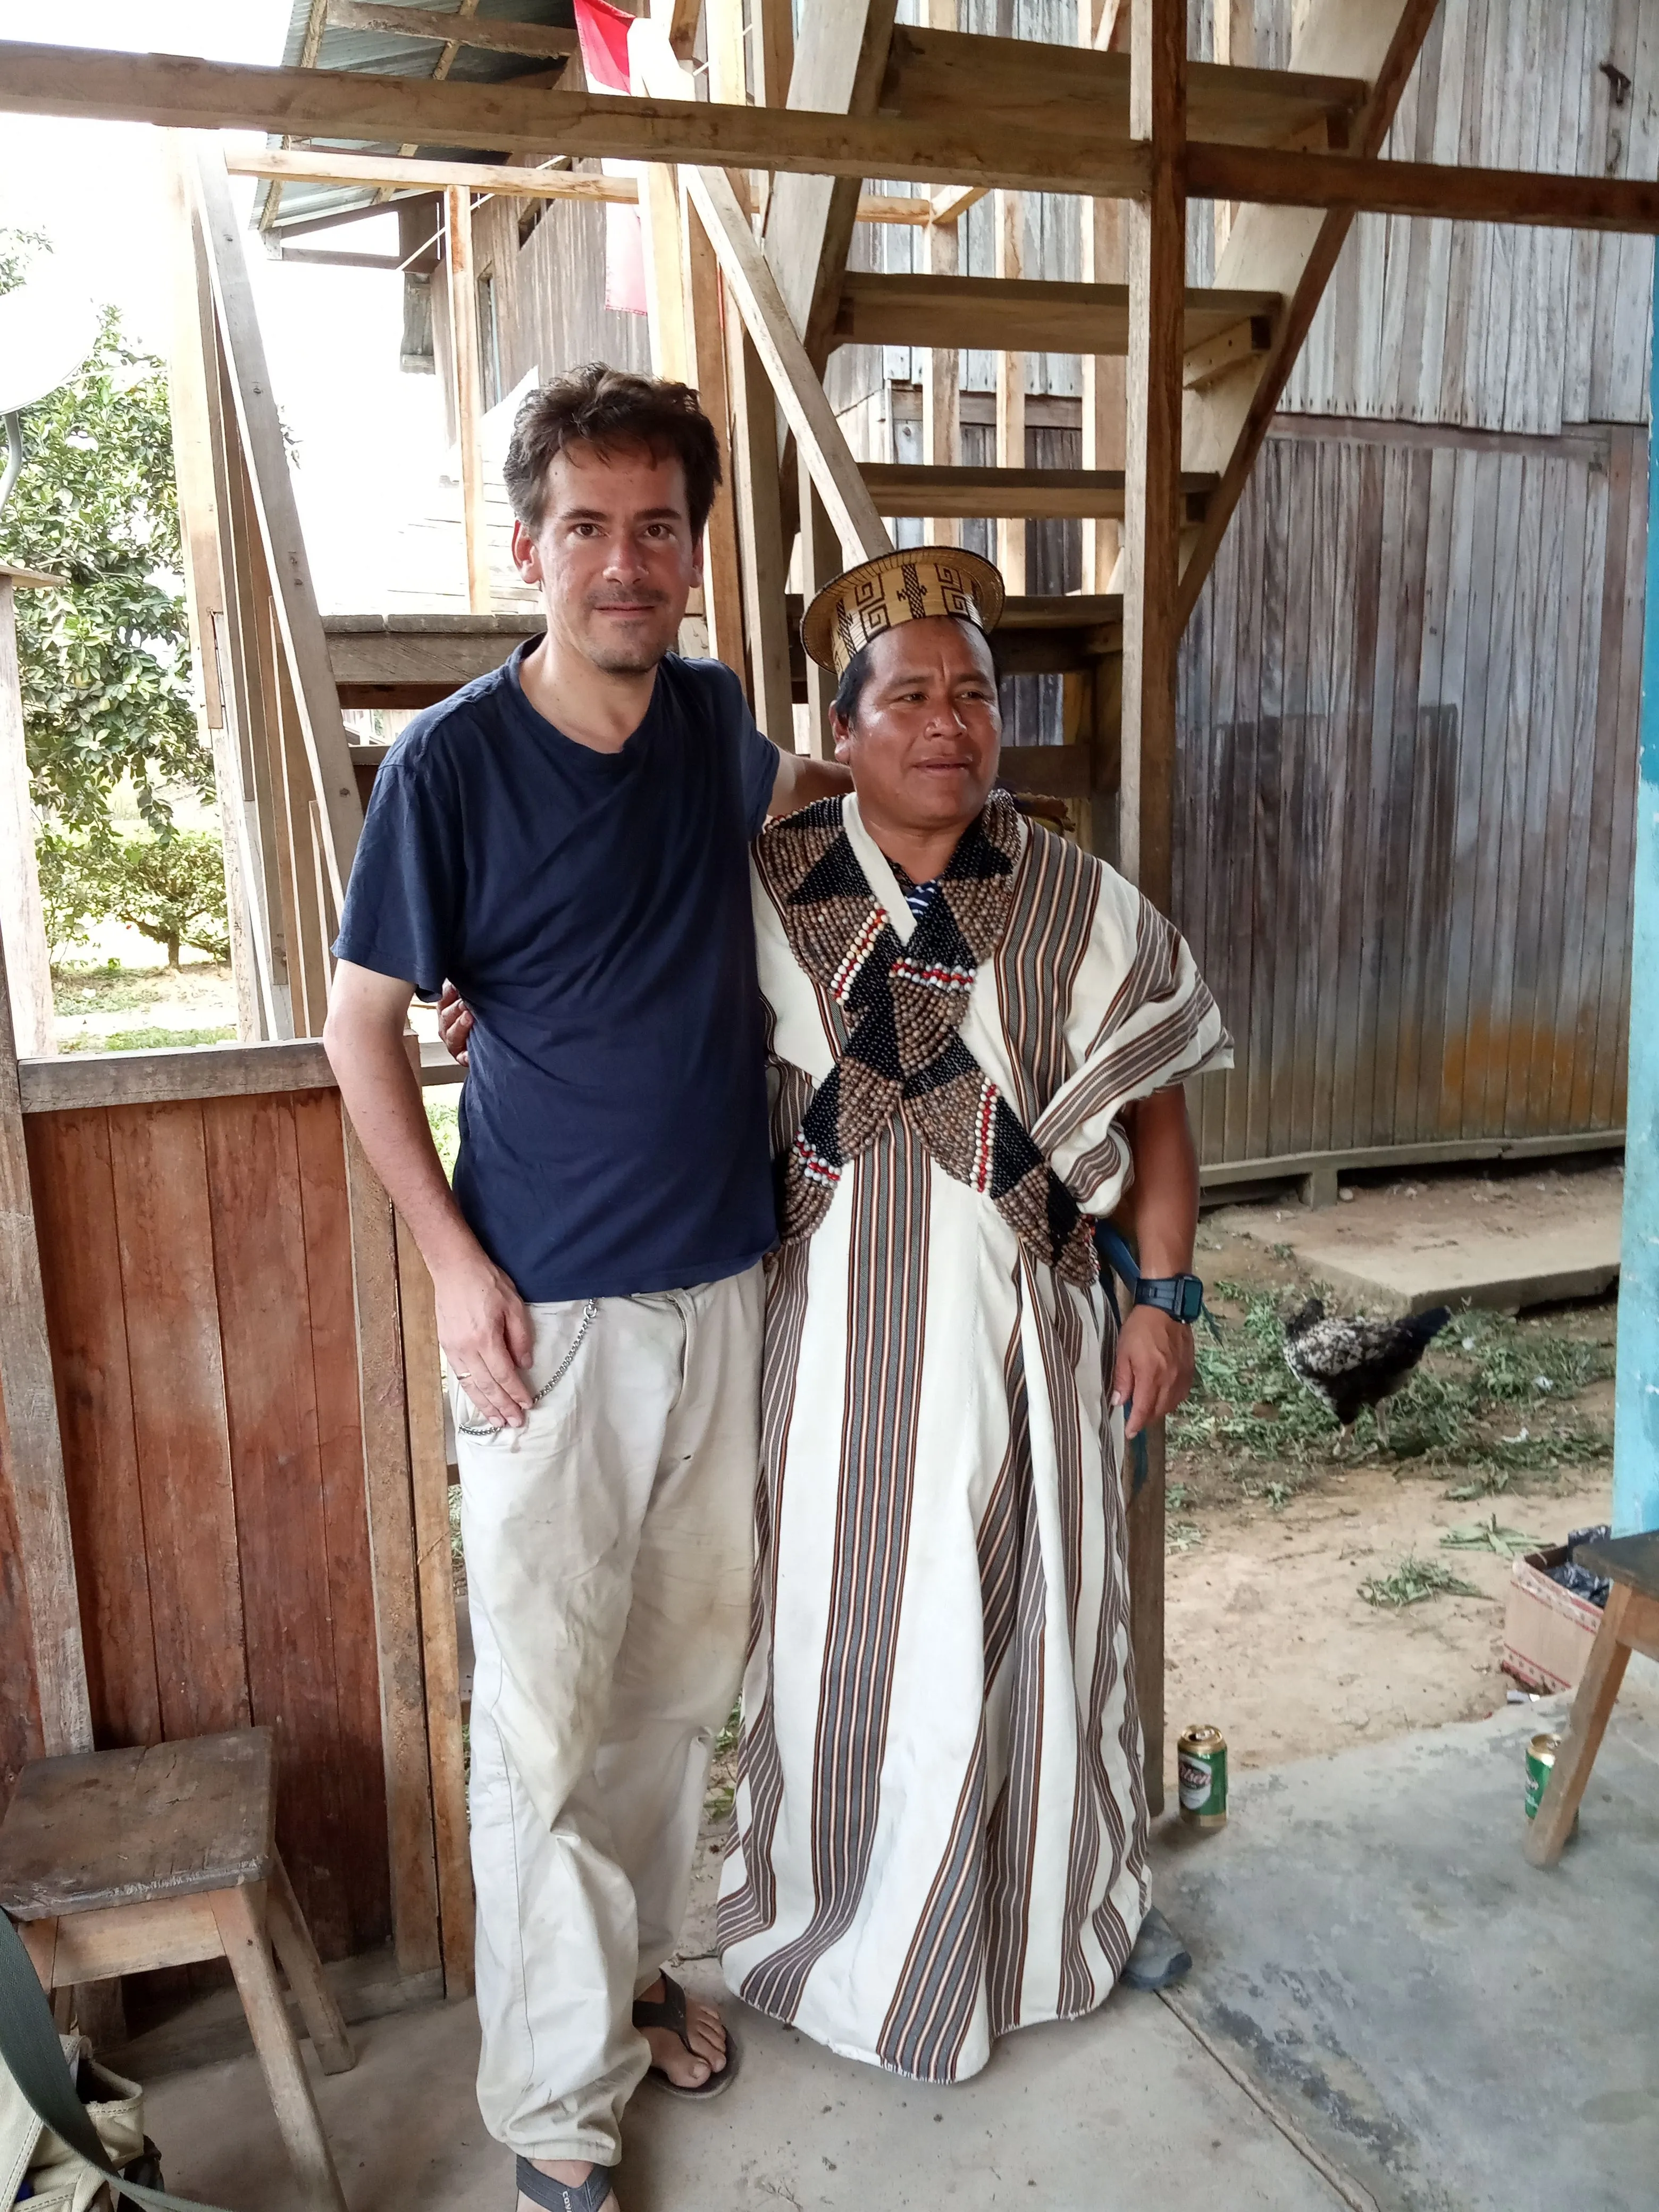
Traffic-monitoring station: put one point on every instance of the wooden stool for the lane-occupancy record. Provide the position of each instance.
(116, 1862)
(1630, 1624)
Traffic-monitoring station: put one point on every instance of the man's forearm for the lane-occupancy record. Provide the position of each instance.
(802, 779)
(382, 1095)
(1162, 1203)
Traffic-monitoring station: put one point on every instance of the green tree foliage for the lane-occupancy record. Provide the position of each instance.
(105, 665)
(171, 889)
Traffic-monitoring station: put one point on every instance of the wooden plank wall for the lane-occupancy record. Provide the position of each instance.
(196, 1258)
(1407, 726)
(1487, 327)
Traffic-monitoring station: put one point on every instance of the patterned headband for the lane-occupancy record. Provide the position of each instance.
(911, 585)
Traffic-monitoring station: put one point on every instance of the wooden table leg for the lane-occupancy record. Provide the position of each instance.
(1592, 1705)
(40, 1942)
(291, 1939)
(239, 1913)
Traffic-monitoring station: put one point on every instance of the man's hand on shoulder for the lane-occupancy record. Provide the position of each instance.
(802, 778)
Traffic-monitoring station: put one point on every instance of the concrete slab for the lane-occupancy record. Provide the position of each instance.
(1499, 1243)
(1123, 2112)
(1452, 2026)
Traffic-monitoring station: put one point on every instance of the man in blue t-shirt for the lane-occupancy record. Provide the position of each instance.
(566, 841)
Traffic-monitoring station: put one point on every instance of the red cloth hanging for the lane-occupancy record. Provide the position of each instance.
(602, 32)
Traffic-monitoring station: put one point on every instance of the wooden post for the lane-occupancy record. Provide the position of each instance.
(1103, 397)
(1156, 240)
(941, 380)
(760, 523)
(32, 1444)
(664, 271)
(1010, 261)
(383, 1397)
(722, 575)
(429, 1478)
(464, 351)
(820, 560)
(22, 918)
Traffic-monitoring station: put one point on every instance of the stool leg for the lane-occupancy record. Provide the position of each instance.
(237, 1912)
(40, 1942)
(1592, 1707)
(291, 1939)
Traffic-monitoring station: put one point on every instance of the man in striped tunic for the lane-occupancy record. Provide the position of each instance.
(978, 1034)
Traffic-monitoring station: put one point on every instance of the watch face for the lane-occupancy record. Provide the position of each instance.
(1192, 1298)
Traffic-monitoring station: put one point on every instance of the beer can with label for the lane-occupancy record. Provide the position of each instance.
(1201, 1774)
(1540, 1765)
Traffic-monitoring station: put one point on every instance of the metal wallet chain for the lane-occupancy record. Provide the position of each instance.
(494, 1428)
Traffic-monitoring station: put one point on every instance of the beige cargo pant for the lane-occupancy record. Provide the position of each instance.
(609, 1552)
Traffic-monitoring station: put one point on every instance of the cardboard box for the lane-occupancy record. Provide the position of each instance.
(1548, 1632)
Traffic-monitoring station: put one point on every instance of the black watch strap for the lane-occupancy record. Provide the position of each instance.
(1181, 1296)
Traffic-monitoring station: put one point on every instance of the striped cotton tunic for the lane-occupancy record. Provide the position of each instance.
(940, 1824)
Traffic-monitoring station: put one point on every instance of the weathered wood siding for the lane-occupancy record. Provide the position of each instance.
(196, 1258)
(1406, 787)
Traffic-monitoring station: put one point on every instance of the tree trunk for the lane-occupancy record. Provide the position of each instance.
(172, 952)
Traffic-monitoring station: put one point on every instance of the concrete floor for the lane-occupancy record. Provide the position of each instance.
(1444, 2027)
(1120, 2113)
(1457, 2030)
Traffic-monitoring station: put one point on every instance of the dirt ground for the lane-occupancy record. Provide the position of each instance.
(1269, 1635)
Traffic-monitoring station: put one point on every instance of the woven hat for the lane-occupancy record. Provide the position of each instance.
(911, 585)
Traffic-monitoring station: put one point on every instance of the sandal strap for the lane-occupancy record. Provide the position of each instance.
(668, 2011)
(589, 2196)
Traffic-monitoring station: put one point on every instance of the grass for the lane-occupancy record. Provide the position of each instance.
(150, 1040)
(1412, 1581)
(443, 1116)
(105, 986)
(1492, 1393)
(1182, 1535)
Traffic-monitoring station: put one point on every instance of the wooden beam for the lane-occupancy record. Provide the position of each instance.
(754, 289)
(33, 1447)
(722, 575)
(325, 166)
(1023, 84)
(678, 21)
(1035, 494)
(1034, 315)
(1292, 252)
(1156, 240)
(185, 93)
(22, 916)
(322, 732)
(463, 296)
(531, 41)
(838, 69)
(663, 244)
(1353, 183)
(1008, 236)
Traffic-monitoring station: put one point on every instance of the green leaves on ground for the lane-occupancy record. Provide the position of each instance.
(1460, 1406)
(1489, 1536)
(1412, 1581)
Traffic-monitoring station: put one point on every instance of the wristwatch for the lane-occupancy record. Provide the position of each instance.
(1181, 1296)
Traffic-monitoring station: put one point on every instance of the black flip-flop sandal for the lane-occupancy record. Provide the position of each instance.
(589, 2196)
(671, 2013)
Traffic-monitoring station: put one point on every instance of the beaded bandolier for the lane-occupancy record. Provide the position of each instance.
(903, 1006)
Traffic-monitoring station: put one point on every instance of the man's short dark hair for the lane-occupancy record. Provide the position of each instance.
(856, 674)
(611, 409)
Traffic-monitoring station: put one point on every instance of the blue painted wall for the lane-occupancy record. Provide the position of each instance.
(1635, 1443)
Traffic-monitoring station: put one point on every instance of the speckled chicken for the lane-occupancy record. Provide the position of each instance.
(1352, 1364)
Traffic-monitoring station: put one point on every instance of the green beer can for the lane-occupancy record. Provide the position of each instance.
(1201, 1777)
(1540, 1765)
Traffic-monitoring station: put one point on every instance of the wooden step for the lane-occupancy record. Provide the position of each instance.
(945, 76)
(907, 488)
(1031, 315)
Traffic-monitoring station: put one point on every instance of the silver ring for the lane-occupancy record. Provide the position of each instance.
(462, 1374)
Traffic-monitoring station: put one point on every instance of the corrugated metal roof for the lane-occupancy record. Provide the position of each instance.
(385, 53)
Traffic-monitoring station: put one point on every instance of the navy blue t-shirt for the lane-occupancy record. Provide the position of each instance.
(592, 908)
